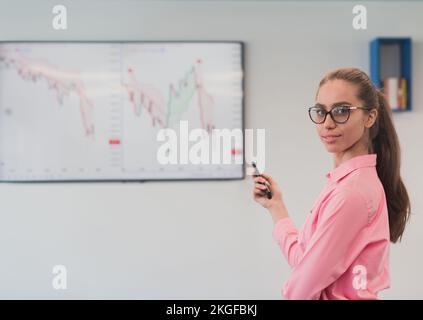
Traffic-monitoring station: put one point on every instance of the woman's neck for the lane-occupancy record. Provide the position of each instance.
(340, 158)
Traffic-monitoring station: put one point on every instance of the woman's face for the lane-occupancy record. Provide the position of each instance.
(339, 138)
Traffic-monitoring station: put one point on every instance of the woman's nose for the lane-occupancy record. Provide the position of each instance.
(329, 123)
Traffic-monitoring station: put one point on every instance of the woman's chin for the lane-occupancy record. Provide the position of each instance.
(332, 148)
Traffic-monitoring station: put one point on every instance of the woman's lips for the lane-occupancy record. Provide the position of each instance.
(330, 138)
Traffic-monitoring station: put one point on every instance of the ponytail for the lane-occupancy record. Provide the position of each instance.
(386, 145)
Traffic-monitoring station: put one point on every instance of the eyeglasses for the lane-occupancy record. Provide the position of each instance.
(339, 114)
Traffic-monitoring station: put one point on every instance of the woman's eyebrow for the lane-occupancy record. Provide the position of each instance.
(335, 104)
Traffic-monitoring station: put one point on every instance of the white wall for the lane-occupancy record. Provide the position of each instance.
(205, 239)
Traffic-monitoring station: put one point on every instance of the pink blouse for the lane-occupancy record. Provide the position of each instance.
(342, 250)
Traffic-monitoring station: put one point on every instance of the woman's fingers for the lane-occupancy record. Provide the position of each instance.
(258, 179)
(259, 193)
(264, 185)
(261, 180)
(267, 177)
(260, 186)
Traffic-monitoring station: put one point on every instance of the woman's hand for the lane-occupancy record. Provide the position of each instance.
(275, 205)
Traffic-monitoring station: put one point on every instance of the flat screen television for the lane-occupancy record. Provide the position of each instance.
(95, 111)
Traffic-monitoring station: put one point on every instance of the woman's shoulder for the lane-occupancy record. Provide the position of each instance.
(365, 182)
(365, 188)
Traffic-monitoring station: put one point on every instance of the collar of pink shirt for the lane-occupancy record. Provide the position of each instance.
(367, 160)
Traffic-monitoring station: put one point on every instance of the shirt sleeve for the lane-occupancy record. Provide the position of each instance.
(286, 235)
(343, 216)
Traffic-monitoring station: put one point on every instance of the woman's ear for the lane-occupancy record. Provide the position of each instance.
(371, 118)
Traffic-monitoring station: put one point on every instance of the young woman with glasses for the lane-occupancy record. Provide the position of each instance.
(342, 250)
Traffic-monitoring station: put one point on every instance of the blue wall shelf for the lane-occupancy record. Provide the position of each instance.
(391, 57)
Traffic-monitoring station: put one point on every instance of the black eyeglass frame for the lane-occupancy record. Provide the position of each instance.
(349, 108)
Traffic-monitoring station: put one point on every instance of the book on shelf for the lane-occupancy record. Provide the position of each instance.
(395, 90)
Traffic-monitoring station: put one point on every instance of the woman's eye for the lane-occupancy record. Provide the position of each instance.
(320, 112)
(341, 110)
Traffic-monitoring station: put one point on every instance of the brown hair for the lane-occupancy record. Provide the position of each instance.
(384, 142)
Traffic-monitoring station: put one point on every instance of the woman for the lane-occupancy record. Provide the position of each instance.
(342, 251)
